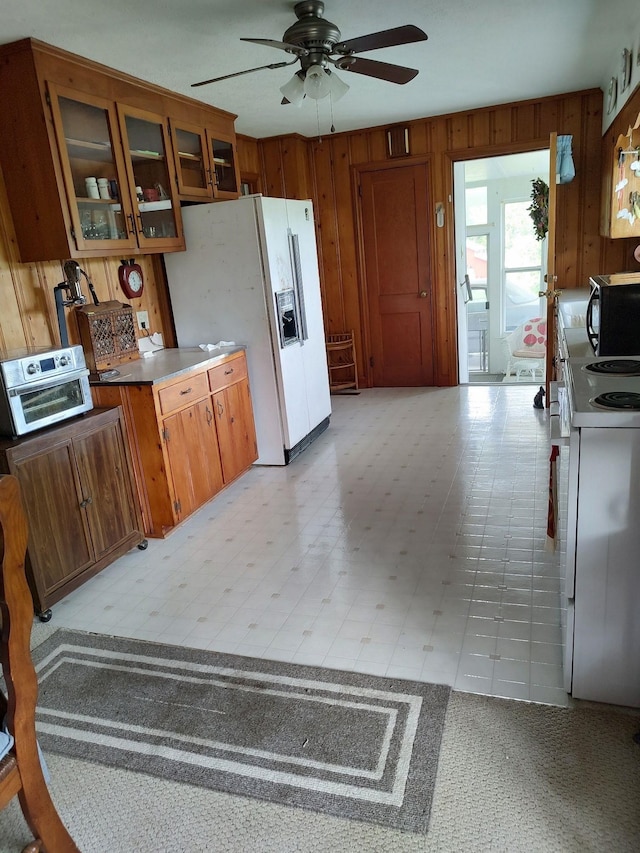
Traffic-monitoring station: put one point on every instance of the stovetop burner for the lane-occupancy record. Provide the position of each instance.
(615, 367)
(618, 400)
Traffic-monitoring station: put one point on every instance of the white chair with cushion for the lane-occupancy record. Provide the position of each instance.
(525, 349)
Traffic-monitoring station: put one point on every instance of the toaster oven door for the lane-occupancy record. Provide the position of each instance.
(40, 404)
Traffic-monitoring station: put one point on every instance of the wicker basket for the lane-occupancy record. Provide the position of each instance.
(108, 336)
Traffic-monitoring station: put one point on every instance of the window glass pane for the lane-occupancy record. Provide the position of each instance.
(521, 249)
(476, 205)
(477, 260)
(522, 302)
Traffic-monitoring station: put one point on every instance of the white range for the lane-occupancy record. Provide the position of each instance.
(602, 572)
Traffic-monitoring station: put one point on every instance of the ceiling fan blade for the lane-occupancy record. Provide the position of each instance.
(385, 38)
(382, 70)
(280, 45)
(239, 73)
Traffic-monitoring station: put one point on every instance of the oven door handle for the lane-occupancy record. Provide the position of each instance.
(591, 333)
(51, 382)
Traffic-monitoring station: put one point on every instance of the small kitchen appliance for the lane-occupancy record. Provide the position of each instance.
(41, 386)
(613, 314)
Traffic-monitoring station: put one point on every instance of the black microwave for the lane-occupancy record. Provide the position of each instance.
(613, 314)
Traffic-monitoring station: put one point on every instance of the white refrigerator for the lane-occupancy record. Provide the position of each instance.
(250, 275)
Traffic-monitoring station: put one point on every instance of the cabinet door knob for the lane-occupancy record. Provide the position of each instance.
(423, 294)
(86, 502)
(220, 408)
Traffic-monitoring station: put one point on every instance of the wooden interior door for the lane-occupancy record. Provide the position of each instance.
(398, 276)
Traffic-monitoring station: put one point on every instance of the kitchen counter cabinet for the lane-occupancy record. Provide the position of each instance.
(183, 452)
(79, 499)
(234, 417)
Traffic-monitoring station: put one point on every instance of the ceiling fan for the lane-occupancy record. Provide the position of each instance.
(315, 43)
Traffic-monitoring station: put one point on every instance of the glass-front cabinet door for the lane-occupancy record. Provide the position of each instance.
(190, 150)
(93, 171)
(149, 164)
(225, 171)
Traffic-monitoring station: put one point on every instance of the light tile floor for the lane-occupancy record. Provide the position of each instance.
(407, 541)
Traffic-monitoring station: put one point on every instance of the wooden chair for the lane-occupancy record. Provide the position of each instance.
(341, 361)
(20, 770)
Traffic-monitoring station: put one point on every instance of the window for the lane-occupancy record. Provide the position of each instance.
(476, 205)
(522, 266)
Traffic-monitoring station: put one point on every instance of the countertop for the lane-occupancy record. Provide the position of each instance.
(572, 317)
(166, 364)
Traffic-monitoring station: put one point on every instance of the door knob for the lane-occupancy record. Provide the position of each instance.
(423, 294)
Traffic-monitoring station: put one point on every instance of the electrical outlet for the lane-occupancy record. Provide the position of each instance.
(143, 320)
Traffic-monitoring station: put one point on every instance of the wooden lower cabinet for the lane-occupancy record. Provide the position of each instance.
(190, 435)
(79, 497)
(236, 432)
(192, 448)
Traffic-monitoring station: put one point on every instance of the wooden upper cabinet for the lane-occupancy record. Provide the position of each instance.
(150, 173)
(66, 119)
(206, 161)
(89, 145)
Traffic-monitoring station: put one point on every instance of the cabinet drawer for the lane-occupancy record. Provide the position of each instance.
(226, 374)
(184, 392)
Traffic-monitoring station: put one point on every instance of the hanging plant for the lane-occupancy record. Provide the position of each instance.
(539, 209)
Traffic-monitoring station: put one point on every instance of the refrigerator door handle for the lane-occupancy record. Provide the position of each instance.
(298, 284)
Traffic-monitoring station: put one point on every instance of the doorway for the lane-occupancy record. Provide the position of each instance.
(500, 266)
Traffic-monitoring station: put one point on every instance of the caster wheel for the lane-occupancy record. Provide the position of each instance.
(46, 615)
(142, 546)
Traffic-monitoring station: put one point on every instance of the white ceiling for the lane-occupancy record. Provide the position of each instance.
(479, 52)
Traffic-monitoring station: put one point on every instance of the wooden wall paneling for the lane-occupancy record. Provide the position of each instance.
(346, 245)
(271, 158)
(327, 234)
(26, 316)
(378, 144)
(549, 112)
(480, 130)
(458, 136)
(568, 197)
(295, 168)
(248, 153)
(526, 123)
(419, 143)
(359, 147)
(500, 123)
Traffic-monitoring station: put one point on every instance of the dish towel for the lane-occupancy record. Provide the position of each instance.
(552, 511)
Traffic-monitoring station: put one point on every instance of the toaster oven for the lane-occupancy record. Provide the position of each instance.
(40, 387)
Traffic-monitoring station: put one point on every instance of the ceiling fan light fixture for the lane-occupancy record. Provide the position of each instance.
(294, 90)
(337, 87)
(317, 82)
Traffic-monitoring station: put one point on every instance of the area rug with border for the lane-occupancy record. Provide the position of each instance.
(356, 746)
